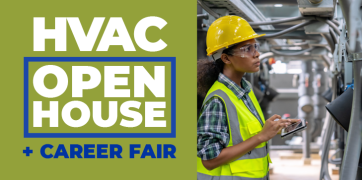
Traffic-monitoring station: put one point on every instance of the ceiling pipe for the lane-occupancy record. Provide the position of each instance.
(282, 20)
(288, 30)
(292, 54)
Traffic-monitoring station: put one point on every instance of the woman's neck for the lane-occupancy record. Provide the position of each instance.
(234, 75)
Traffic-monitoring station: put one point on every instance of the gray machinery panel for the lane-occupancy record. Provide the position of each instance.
(317, 28)
(324, 9)
(298, 34)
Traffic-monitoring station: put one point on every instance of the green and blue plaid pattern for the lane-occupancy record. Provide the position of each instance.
(212, 125)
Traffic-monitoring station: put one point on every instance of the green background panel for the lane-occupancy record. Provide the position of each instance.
(17, 42)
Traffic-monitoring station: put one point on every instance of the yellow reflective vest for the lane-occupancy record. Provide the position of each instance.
(242, 126)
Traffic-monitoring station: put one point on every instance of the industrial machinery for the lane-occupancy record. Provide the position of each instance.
(325, 36)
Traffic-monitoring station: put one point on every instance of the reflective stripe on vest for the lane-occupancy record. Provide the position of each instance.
(231, 113)
(201, 176)
(252, 165)
(234, 126)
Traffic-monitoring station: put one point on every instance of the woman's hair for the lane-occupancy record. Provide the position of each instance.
(208, 72)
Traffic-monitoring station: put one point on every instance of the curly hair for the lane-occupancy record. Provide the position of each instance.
(207, 73)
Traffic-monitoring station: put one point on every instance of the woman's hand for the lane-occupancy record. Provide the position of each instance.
(272, 127)
(293, 121)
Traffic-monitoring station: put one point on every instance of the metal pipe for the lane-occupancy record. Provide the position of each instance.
(336, 40)
(203, 16)
(355, 20)
(266, 55)
(280, 21)
(330, 23)
(207, 9)
(359, 172)
(319, 87)
(291, 45)
(353, 144)
(345, 7)
(341, 143)
(292, 54)
(329, 40)
(336, 160)
(324, 173)
(334, 36)
(324, 132)
(335, 28)
(288, 30)
(335, 22)
(295, 147)
(327, 60)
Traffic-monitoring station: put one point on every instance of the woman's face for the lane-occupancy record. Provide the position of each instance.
(245, 57)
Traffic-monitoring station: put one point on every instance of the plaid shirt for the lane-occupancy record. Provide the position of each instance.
(212, 125)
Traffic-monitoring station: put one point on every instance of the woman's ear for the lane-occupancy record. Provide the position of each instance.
(225, 58)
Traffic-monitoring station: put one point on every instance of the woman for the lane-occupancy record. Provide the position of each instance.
(232, 133)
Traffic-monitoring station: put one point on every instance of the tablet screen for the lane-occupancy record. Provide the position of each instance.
(293, 127)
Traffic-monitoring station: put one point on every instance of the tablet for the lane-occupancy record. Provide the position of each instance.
(293, 128)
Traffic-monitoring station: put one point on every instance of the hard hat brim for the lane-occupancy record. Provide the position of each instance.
(236, 41)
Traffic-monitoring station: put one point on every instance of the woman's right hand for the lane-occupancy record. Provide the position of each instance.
(271, 127)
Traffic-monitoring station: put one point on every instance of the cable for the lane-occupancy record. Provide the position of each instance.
(335, 39)
(329, 40)
(327, 60)
(336, 160)
(291, 45)
(203, 16)
(335, 22)
(331, 24)
(292, 54)
(279, 21)
(287, 30)
(335, 28)
(334, 36)
(207, 9)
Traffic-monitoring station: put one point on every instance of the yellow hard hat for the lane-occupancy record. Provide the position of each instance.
(226, 31)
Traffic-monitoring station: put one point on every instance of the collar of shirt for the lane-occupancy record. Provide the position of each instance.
(237, 90)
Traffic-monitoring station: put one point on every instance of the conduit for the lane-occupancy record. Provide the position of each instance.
(329, 125)
(327, 60)
(335, 39)
(335, 28)
(353, 145)
(334, 36)
(291, 45)
(280, 21)
(292, 54)
(203, 16)
(329, 40)
(288, 30)
(335, 22)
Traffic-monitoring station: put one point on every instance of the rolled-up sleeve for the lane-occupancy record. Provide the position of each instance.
(212, 129)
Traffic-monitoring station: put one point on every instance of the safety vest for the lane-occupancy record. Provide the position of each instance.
(243, 125)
